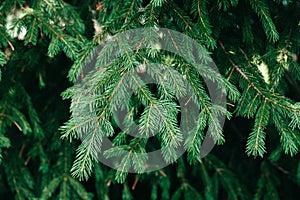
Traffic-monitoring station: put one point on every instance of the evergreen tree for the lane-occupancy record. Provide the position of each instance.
(64, 76)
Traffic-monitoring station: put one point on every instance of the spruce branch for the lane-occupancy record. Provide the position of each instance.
(256, 140)
(262, 11)
(66, 14)
(70, 46)
(6, 40)
(199, 9)
(290, 139)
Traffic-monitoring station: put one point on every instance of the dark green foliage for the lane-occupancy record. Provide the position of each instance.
(50, 138)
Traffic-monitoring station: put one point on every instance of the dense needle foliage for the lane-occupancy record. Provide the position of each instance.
(50, 140)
